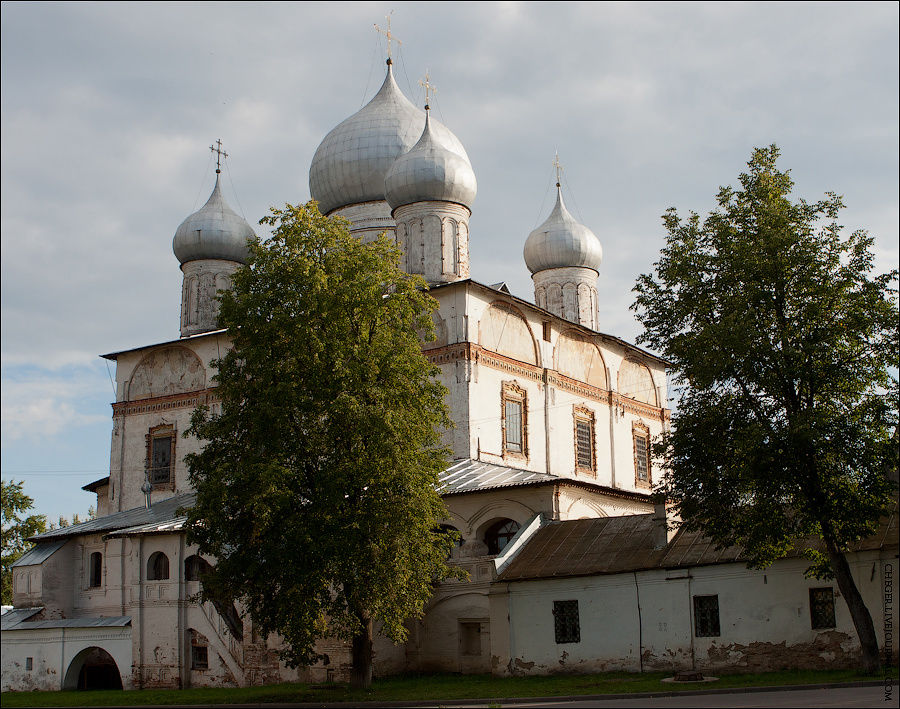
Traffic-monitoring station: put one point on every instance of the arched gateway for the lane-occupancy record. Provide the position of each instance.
(93, 668)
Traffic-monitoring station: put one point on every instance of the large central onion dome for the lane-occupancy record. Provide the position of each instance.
(213, 232)
(352, 161)
(430, 172)
(562, 242)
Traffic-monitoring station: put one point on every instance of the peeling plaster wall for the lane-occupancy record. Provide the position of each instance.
(53, 651)
(764, 620)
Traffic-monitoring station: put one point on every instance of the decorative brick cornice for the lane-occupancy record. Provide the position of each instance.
(187, 400)
(476, 353)
(587, 391)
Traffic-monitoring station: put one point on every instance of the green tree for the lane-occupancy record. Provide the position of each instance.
(16, 529)
(783, 341)
(316, 485)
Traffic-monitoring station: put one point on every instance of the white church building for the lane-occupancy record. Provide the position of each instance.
(570, 566)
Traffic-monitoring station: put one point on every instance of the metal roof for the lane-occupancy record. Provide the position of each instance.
(13, 617)
(610, 545)
(161, 512)
(39, 553)
(114, 355)
(469, 475)
(561, 242)
(351, 162)
(21, 622)
(165, 527)
(92, 487)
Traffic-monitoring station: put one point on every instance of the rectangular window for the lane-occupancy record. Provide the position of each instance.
(514, 411)
(641, 455)
(584, 440)
(29, 664)
(821, 608)
(514, 426)
(199, 657)
(95, 578)
(566, 623)
(706, 616)
(547, 330)
(161, 460)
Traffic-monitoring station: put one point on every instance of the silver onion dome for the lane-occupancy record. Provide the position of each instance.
(352, 161)
(430, 172)
(213, 232)
(561, 242)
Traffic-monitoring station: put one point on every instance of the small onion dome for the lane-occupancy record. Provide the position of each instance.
(213, 232)
(429, 172)
(350, 164)
(561, 242)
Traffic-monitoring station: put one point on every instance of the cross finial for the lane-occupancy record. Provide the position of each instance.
(220, 154)
(429, 89)
(558, 166)
(387, 33)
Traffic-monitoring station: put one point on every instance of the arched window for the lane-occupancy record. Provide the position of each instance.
(96, 569)
(194, 567)
(499, 535)
(158, 567)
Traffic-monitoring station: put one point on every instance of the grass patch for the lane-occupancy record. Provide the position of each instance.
(424, 688)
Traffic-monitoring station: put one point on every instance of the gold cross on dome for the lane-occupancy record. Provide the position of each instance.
(558, 166)
(430, 90)
(387, 33)
(220, 154)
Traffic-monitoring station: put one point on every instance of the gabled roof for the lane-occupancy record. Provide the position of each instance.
(161, 512)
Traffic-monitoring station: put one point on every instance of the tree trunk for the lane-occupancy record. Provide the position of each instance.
(862, 619)
(361, 674)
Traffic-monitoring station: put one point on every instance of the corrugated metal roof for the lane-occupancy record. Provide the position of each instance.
(39, 553)
(161, 512)
(91, 622)
(173, 525)
(15, 616)
(610, 545)
(468, 475)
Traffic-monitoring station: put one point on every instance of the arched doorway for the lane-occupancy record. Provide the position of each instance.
(93, 668)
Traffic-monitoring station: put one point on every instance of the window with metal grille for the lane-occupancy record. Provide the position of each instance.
(514, 426)
(199, 657)
(161, 460)
(706, 616)
(821, 608)
(584, 444)
(641, 457)
(566, 624)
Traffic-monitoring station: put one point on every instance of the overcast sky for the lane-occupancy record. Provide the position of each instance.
(108, 112)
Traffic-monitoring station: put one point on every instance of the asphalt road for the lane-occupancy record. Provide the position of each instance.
(822, 697)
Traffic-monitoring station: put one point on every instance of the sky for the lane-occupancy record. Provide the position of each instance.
(108, 112)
